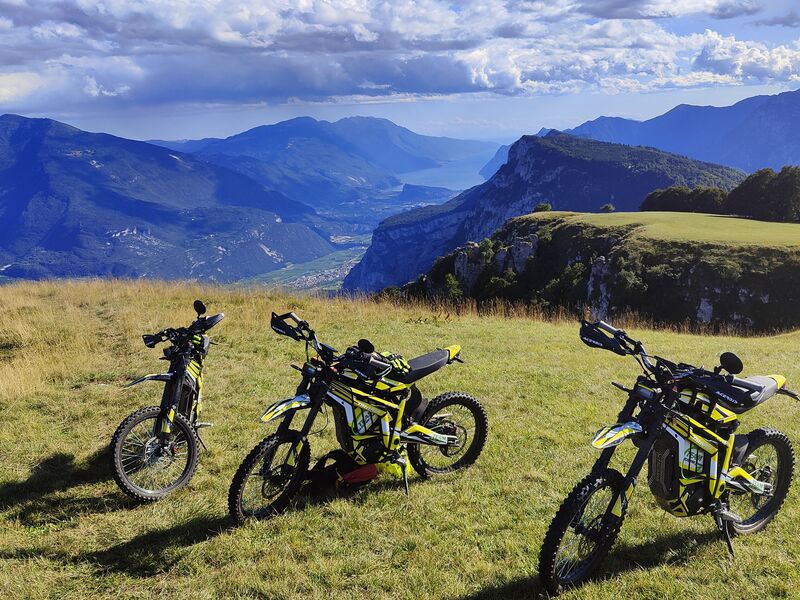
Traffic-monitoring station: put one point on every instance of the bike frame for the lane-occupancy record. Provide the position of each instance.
(186, 369)
(657, 414)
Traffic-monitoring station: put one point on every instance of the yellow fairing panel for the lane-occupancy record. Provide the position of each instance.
(613, 435)
(453, 351)
(779, 379)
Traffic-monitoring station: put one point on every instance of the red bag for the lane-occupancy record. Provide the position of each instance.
(363, 474)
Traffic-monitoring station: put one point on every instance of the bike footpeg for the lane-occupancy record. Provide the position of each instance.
(728, 515)
(203, 424)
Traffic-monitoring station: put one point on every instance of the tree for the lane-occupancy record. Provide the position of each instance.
(709, 200)
(749, 198)
(543, 207)
(452, 289)
(608, 207)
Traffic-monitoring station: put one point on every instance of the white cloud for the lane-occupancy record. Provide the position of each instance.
(250, 51)
(17, 86)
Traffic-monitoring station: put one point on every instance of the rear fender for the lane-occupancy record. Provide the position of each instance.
(282, 407)
(160, 377)
(614, 435)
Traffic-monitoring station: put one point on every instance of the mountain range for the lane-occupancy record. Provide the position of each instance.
(74, 203)
(344, 169)
(758, 132)
(568, 172)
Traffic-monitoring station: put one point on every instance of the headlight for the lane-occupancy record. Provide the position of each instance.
(310, 370)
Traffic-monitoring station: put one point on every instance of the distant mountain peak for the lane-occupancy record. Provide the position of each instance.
(757, 132)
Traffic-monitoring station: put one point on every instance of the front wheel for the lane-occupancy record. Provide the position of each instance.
(770, 459)
(453, 413)
(580, 535)
(148, 465)
(269, 477)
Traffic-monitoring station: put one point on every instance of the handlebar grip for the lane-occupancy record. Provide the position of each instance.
(749, 385)
(378, 364)
(608, 328)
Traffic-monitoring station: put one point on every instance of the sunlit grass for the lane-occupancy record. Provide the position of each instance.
(67, 532)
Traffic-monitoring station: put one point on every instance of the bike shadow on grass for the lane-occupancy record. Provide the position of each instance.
(146, 555)
(674, 549)
(157, 551)
(49, 494)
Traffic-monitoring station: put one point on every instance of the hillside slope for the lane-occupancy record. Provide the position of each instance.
(758, 132)
(669, 267)
(74, 203)
(68, 532)
(569, 172)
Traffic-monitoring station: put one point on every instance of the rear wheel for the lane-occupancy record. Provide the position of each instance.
(453, 413)
(148, 466)
(579, 537)
(770, 459)
(269, 477)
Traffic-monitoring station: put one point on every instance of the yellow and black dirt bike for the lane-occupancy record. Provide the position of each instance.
(154, 450)
(381, 419)
(683, 420)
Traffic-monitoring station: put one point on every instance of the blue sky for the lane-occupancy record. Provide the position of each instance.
(491, 69)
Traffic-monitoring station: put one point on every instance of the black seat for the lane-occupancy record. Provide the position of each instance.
(424, 365)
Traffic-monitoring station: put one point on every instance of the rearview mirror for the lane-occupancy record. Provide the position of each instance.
(731, 363)
(366, 346)
(199, 307)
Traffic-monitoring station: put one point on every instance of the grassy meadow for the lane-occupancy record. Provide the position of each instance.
(66, 531)
(682, 226)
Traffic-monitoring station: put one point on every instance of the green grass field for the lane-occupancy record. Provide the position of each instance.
(67, 532)
(677, 226)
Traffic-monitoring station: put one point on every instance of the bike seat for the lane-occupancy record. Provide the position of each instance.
(428, 363)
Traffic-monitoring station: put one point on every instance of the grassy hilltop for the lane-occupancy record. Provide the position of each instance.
(67, 532)
(671, 267)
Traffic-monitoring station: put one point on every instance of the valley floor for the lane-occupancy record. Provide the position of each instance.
(67, 532)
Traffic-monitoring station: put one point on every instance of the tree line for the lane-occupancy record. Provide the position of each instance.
(764, 195)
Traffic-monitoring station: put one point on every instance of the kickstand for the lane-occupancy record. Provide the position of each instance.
(202, 443)
(724, 526)
(405, 477)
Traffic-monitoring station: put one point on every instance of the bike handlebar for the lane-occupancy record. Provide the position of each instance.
(378, 364)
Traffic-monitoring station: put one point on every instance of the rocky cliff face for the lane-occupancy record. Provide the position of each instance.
(557, 260)
(568, 172)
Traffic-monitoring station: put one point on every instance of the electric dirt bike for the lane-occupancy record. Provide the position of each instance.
(154, 450)
(381, 419)
(683, 421)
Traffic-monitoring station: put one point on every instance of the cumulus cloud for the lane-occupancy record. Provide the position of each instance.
(55, 53)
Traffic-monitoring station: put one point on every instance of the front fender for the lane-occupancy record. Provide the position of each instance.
(614, 435)
(160, 377)
(281, 407)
